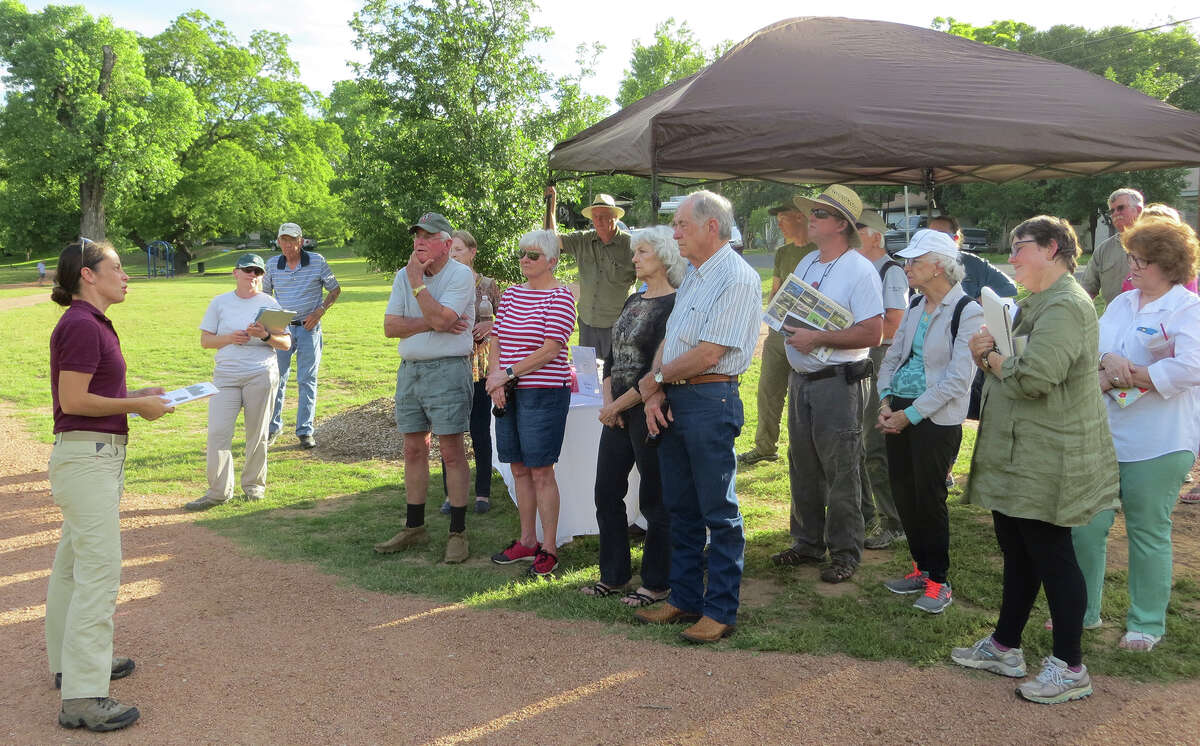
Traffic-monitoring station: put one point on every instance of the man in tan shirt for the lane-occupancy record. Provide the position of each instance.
(1109, 265)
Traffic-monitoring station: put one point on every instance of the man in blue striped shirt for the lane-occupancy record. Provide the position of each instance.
(709, 342)
(299, 280)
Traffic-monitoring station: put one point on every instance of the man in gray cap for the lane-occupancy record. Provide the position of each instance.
(606, 271)
(432, 312)
(301, 281)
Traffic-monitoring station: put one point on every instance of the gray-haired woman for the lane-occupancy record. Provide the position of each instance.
(636, 335)
(924, 384)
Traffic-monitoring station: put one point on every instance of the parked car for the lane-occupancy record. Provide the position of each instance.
(976, 239)
(897, 238)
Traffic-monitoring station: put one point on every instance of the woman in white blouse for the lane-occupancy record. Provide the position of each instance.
(1150, 369)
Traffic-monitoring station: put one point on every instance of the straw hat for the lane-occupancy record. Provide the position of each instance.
(603, 200)
(841, 201)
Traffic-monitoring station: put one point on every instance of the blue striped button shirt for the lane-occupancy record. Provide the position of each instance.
(719, 302)
(299, 289)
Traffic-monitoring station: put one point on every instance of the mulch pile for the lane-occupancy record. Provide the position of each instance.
(368, 432)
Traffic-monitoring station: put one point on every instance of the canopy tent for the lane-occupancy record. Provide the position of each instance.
(839, 100)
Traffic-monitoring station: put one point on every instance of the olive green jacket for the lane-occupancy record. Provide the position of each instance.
(1044, 450)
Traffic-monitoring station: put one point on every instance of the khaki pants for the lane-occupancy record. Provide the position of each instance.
(772, 391)
(86, 481)
(254, 392)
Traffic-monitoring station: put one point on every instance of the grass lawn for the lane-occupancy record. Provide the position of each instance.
(329, 513)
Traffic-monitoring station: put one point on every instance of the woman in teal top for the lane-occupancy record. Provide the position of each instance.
(924, 384)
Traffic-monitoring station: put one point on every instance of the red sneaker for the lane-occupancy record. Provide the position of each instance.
(516, 552)
(544, 564)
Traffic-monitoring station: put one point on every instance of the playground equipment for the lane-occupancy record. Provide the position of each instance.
(160, 259)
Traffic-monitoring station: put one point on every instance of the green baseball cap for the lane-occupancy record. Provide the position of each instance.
(251, 260)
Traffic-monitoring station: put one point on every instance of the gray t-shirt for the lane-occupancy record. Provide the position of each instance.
(228, 313)
(454, 288)
(895, 287)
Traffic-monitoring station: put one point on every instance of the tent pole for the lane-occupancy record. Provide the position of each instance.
(655, 202)
(906, 235)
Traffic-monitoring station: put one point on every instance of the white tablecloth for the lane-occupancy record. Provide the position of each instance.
(576, 474)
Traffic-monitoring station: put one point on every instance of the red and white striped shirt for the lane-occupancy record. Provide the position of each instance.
(525, 320)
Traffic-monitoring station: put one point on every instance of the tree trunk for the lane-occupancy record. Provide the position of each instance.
(91, 202)
(92, 223)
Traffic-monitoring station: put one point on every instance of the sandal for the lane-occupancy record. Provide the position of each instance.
(601, 590)
(643, 597)
(1138, 642)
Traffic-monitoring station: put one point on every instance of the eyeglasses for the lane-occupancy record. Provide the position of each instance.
(251, 271)
(1016, 245)
(532, 256)
(820, 214)
(1119, 208)
(914, 260)
(1138, 262)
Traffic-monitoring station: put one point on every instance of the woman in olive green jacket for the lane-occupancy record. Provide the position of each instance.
(1043, 461)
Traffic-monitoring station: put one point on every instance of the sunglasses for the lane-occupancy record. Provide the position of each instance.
(532, 256)
(251, 271)
(820, 214)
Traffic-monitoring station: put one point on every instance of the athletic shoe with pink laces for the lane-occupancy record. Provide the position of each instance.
(936, 598)
(914, 582)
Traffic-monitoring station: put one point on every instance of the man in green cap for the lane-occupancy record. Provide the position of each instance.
(605, 261)
(773, 378)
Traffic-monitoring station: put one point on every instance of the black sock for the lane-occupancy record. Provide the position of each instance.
(458, 519)
(415, 516)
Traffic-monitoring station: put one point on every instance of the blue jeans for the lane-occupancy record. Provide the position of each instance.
(699, 466)
(306, 346)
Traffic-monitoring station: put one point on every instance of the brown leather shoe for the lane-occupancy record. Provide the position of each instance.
(665, 614)
(708, 630)
(409, 537)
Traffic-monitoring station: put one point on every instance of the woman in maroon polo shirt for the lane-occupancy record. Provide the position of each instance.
(87, 476)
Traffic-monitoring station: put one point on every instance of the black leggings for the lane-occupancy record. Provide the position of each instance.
(481, 441)
(1039, 554)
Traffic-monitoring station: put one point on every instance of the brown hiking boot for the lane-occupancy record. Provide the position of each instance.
(666, 614)
(96, 714)
(707, 630)
(121, 667)
(408, 537)
(457, 549)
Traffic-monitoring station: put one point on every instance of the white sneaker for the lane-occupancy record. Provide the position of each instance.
(985, 656)
(1056, 683)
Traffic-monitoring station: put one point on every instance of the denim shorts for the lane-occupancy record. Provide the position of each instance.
(532, 428)
(434, 396)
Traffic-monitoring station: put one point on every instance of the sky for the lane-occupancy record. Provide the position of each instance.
(322, 41)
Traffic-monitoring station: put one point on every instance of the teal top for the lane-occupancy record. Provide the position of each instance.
(909, 381)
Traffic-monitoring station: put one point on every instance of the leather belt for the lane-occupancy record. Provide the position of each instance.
(706, 378)
(823, 373)
(89, 436)
(297, 323)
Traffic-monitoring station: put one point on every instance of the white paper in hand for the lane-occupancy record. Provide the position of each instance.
(997, 316)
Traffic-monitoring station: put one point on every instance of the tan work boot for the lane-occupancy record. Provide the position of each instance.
(408, 537)
(96, 714)
(665, 614)
(707, 630)
(457, 548)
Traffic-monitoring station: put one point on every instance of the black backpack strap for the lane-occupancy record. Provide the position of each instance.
(916, 299)
(883, 268)
(958, 310)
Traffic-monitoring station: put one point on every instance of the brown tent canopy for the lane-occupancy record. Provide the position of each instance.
(820, 100)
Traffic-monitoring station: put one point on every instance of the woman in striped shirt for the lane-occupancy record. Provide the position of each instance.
(530, 385)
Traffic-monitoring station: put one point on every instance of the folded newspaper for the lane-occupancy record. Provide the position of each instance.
(797, 303)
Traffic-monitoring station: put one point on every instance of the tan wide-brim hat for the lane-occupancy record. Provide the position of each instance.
(871, 219)
(839, 200)
(603, 200)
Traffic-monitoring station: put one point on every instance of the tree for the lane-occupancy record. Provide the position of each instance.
(451, 114)
(674, 54)
(80, 110)
(260, 156)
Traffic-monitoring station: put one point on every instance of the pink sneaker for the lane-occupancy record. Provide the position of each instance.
(1190, 498)
(516, 552)
(544, 564)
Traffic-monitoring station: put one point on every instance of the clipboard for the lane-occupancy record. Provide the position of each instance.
(997, 316)
(275, 321)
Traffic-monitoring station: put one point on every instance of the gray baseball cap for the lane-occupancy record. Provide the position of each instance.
(289, 229)
(432, 223)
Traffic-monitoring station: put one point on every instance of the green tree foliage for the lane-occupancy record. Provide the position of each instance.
(451, 114)
(81, 117)
(264, 153)
(1163, 63)
(673, 54)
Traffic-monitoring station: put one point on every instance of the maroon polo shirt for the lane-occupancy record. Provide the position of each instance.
(85, 342)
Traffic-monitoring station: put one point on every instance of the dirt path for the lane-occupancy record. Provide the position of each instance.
(21, 301)
(235, 649)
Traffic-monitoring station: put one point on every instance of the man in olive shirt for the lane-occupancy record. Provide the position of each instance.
(605, 261)
(773, 378)
(1109, 265)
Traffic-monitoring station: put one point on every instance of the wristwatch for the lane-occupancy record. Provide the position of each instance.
(658, 378)
(417, 290)
(267, 338)
(508, 370)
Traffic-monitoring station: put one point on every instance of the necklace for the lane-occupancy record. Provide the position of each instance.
(828, 269)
